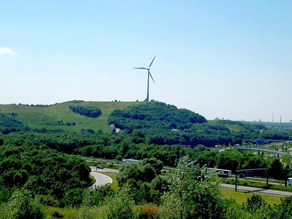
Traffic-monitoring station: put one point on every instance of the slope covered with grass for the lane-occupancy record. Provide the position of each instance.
(60, 117)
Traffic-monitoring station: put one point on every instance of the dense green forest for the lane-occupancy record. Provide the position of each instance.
(43, 171)
(169, 125)
(155, 115)
(135, 145)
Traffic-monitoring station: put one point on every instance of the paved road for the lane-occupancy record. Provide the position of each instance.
(100, 178)
(264, 150)
(257, 190)
(105, 170)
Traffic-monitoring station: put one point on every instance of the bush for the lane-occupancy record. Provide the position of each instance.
(21, 205)
(147, 211)
(254, 203)
(48, 200)
(284, 209)
(118, 206)
(73, 197)
(191, 194)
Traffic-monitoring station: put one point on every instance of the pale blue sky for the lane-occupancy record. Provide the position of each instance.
(226, 59)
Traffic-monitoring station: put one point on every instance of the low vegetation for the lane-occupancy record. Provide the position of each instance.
(241, 197)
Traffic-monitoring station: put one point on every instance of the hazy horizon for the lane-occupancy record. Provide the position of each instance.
(222, 59)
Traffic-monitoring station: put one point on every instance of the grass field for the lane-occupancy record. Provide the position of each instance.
(114, 185)
(48, 117)
(65, 213)
(241, 197)
(253, 183)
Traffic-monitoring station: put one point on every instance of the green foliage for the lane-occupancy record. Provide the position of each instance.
(276, 169)
(73, 197)
(160, 124)
(255, 203)
(21, 205)
(44, 171)
(234, 210)
(145, 170)
(9, 124)
(88, 111)
(284, 209)
(97, 197)
(139, 177)
(154, 115)
(191, 194)
(118, 206)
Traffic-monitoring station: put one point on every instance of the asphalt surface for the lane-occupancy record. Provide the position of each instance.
(104, 170)
(257, 190)
(100, 178)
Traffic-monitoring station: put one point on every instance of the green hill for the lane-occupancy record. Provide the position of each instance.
(59, 116)
(162, 123)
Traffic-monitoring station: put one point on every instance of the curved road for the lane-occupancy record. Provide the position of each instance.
(100, 178)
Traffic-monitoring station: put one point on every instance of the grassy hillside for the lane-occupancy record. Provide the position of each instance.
(49, 117)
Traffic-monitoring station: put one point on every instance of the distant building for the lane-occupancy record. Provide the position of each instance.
(114, 129)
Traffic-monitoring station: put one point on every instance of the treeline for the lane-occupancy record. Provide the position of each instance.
(47, 173)
(36, 105)
(111, 146)
(136, 145)
(89, 111)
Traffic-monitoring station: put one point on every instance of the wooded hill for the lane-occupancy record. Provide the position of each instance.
(163, 124)
(170, 126)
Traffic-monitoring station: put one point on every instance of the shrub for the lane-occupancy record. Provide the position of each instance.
(21, 205)
(118, 206)
(147, 211)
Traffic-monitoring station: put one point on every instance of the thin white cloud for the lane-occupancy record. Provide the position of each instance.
(7, 51)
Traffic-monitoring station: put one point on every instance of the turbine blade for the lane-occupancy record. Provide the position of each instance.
(152, 61)
(141, 68)
(151, 77)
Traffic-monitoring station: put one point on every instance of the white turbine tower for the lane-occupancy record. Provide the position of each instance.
(149, 75)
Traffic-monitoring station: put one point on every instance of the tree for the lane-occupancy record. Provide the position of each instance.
(276, 169)
(21, 205)
(192, 193)
(118, 206)
(155, 163)
(284, 209)
(128, 171)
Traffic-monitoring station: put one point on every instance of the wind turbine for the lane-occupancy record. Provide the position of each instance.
(149, 75)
